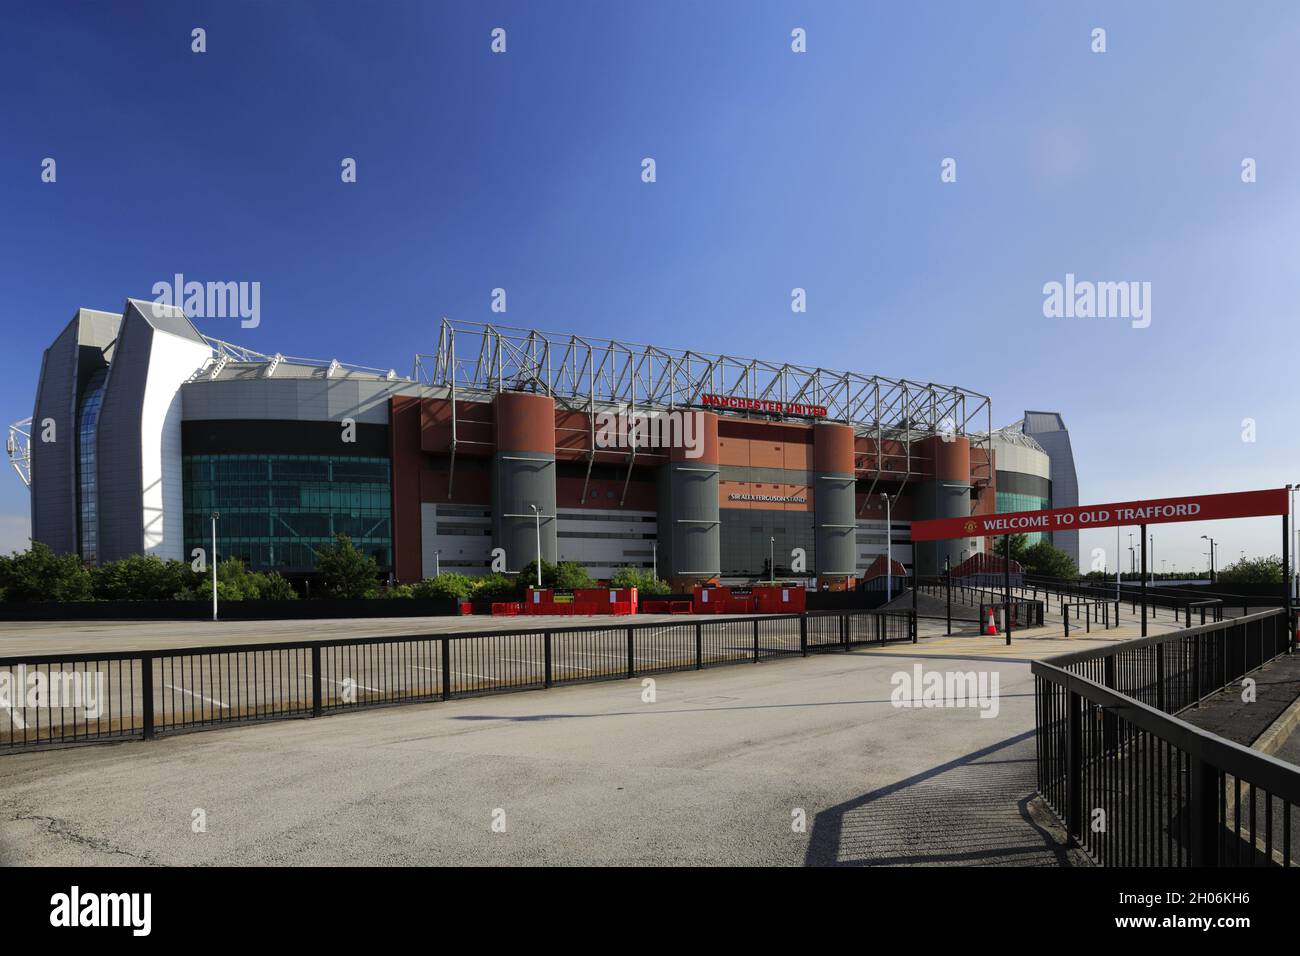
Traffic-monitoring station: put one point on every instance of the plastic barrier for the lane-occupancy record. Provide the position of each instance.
(507, 608)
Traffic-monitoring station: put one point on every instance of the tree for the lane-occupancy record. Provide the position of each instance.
(646, 584)
(344, 571)
(1019, 545)
(141, 578)
(1047, 560)
(1253, 571)
(235, 582)
(41, 575)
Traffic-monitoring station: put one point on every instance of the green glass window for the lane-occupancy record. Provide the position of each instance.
(1009, 502)
(277, 509)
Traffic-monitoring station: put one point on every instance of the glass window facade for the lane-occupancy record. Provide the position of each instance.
(277, 509)
(92, 397)
(747, 541)
(1009, 501)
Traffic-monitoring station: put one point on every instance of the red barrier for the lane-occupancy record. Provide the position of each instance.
(507, 608)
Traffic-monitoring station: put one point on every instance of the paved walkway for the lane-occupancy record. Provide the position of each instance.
(715, 771)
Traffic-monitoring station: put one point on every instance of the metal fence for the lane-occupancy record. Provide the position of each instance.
(60, 699)
(1137, 786)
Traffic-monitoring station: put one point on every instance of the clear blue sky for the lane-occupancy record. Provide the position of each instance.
(775, 170)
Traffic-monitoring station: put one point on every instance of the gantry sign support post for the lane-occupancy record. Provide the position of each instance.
(1006, 584)
(1286, 577)
(1143, 536)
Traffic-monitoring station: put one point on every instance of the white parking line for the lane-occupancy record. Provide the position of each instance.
(358, 683)
(210, 700)
(569, 667)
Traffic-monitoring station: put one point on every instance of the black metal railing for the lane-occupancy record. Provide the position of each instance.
(102, 697)
(1135, 785)
(1023, 613)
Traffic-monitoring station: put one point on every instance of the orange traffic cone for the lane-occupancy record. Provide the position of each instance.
(990, 627)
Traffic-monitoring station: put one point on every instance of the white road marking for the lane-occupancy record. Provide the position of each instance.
(358, 684)
(210, 700)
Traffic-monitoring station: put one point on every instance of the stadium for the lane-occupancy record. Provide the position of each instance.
(495, 449)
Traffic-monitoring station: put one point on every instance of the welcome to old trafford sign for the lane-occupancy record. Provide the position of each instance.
(1239, 504)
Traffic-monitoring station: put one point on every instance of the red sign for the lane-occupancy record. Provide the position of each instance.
(1239, 504)
(763, 405)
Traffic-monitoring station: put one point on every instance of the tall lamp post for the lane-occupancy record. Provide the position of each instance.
(771, 560)
(537, 513)
(1206, 537)
(215, 516)
(654, 559)
(889, 549)
(437, 569)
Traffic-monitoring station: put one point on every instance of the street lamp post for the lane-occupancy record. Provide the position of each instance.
(889, 550)
(436, 564)
(215, 516)
(771, 560)
(1206, 537)
(654, 559)
(537, 513)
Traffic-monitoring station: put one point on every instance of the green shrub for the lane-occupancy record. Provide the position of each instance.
(42, 575)
(450, 586)
(1253, 571)
(141, 578)
(236, 583)
(567, 575)
(275, 587)
(494, 587)
(345, 572)
(646, 584)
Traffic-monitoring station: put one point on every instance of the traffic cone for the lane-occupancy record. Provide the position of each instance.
(990, 627)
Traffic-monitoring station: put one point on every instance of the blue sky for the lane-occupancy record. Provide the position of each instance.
(775, 170)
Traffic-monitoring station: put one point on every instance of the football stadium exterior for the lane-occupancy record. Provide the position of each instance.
(505, 443)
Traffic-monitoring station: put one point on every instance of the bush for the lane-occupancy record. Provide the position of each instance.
(646, 584)
(141, 578)
(274, 587)
(567, 575)
(345, 572)
(42, 575)
(494, 587)
(1253, 571)
(450, 586)
(236, 583)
